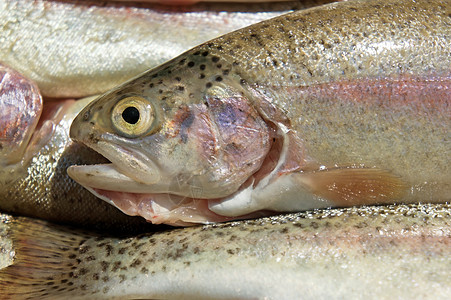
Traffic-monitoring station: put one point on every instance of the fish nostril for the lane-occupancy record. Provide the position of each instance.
(86, 115)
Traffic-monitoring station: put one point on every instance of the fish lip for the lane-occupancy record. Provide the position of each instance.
(105, 177)
(127, 166)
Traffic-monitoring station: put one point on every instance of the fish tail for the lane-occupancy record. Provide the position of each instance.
(43, 258)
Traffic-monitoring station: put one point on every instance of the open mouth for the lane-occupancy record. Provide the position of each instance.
(137, 197)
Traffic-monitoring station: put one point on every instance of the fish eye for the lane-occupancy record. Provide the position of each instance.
(133, 116)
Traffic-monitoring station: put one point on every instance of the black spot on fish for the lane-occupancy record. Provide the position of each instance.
(104, 265)
(218, 78)
(116, 266)
(205, 53)
(215, 59)
(155, 75)
(196, 53)
(82, 271)
(92, 137)
(178, 79)
(100, 245)
(84, 249)
(181, 88)
(109, 250)
(225, 72)
(219, 66)
(191, 64)
(209, 84)
(202, 67)
(201, 76)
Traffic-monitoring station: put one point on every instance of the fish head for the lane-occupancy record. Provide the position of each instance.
(172, 128)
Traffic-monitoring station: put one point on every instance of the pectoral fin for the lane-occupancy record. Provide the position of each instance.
(354, 186)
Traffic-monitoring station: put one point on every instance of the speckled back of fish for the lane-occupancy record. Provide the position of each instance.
(359, 253)
(343, 104)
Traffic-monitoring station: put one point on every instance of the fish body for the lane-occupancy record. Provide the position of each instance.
(339, 105)
(369, 252)
(98, 46)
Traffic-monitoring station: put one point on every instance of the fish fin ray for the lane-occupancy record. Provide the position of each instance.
(348, 186)
(43, 254)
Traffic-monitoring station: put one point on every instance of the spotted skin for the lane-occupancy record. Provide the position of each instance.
(361, 84)
(323, 253)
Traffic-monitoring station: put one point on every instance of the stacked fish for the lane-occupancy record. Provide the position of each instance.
(340, 105)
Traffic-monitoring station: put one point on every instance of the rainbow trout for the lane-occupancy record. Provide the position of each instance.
(340, 105)
(81, 48)
(401, 252)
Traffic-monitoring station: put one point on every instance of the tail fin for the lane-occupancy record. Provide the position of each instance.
(42, 258)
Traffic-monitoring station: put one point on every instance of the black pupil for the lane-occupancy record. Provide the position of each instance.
(130, 115)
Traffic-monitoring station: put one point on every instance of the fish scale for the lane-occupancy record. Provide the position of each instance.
(100, 45)
(323, 253)
(357, 89)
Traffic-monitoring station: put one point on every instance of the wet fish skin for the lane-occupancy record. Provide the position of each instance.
(21, 106)
(377, 252)
(359, 89)
(98, 46)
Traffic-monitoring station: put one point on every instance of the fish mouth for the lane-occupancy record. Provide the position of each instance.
(153, 200)
(133, 198)
(128, 171)
(139, 190)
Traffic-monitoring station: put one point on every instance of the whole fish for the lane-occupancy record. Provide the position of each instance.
(82, 48)
(35, 151)
(391, 252)
(339, 105)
